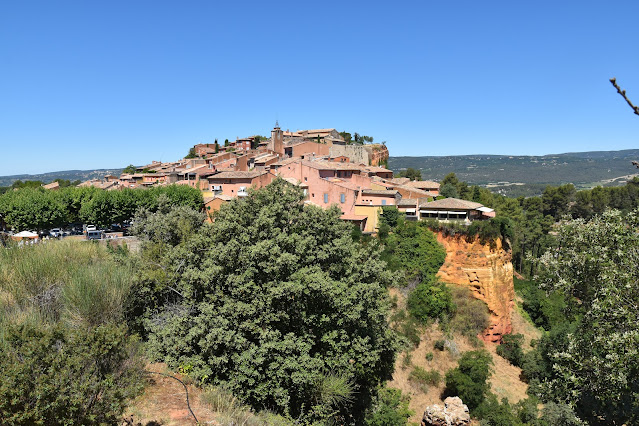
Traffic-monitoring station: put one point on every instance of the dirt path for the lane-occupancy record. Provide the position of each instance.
(164, 402)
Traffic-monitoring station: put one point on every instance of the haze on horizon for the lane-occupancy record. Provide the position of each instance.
(88, 86)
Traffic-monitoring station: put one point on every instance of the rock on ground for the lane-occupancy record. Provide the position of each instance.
(453, 413)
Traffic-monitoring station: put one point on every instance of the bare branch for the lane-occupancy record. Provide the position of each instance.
(623, 93)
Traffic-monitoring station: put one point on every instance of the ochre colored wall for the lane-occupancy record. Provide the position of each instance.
(488, 273)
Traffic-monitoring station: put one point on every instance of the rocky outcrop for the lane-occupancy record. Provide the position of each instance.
(453, 413)
(488, 273)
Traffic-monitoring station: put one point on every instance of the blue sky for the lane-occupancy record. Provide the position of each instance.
(104, 84)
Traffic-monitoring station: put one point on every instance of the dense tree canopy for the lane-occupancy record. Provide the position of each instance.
(40, 209)
(276, 302)
(595, 266)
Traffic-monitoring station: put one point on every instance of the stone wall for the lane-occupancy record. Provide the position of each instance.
(357, 153)
(488, 273)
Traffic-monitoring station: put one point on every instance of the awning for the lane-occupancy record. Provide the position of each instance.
(485, 209)
(410, 210)
(432, 211)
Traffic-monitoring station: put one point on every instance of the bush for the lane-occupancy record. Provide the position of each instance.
(429, 356)
(493, 413)
(59, 376)
(390, 216)
(423, 376)
(413, 250)
(407, 327)
(407, 361)
(389, 408)
(545, 310)
(510, 349)
(469, 380)
(471, 315)
(430, 301)
(440, 344)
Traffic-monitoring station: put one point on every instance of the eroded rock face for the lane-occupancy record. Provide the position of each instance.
(453, 413)
(488, 273)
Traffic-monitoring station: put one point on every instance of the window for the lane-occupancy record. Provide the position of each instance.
(342, 198)
(325, 198)
(305, 179)
(383, 202)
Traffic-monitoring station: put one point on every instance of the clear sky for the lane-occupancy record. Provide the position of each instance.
(87, 84)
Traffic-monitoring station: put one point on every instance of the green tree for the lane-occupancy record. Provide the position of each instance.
(226, 142)
(390, 215)
(414, 250)
(347, 136)
(279, 304)
(389, 408)
(557, 200)
(191, 153)
(32, 209)
(448, 190)
(469, 380)
(411, 174)
(430, 300)
(511, 350)
(595, 267)
(130, 169)
(27, 184)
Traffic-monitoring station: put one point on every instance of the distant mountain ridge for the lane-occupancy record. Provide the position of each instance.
(67, 174)
(526, 174)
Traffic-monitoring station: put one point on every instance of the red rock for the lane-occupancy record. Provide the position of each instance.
(488, 273)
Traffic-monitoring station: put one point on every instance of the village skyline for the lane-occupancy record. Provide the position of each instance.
(95, 86)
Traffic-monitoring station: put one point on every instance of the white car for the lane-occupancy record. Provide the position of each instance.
(91, 228)
(55, 233)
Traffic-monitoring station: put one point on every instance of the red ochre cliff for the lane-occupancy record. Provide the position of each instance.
(488, 273)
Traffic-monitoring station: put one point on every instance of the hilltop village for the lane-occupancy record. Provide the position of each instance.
(320, 161)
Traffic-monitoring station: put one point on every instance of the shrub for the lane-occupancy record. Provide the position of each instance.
(407, 361)
(440, 344)
(430, 301)
(389, 408)
(560, 414)
(390, 216)
(471, 315)
(57, 375)
(493, 413)
(429, 356)
(469, 380)
(421, 375)
(510, 349)
(413, 250)
(407, 326)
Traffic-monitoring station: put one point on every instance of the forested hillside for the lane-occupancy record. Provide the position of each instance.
(506, 173)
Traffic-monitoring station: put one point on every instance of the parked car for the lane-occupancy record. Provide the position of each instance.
(94, 234)
(55, 233)
(90, 228)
